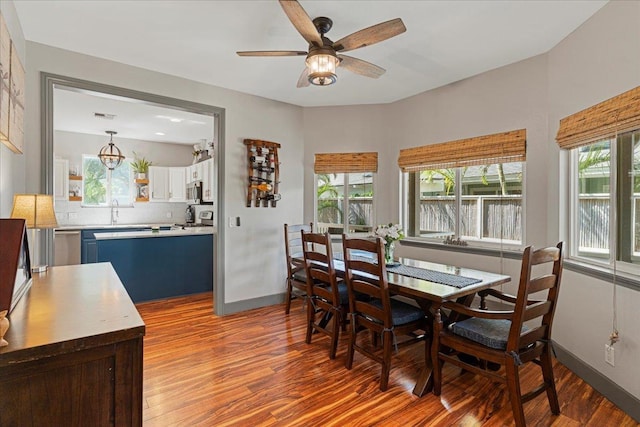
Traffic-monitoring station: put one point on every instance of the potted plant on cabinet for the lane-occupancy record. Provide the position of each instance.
(140, 166)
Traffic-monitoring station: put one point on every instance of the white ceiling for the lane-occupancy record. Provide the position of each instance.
(74, 112)
(445, 40)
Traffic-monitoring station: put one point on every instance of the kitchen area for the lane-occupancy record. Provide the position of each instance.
(155, 223)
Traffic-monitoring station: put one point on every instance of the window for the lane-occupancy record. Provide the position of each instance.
(469, 189)
(604, 176)
(606, 179)
(475, 203)
(101, 186)
(345, 192)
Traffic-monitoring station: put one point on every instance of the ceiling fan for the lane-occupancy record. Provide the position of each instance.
(322, 56)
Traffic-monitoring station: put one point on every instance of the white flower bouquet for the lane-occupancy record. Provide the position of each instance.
(391, 233)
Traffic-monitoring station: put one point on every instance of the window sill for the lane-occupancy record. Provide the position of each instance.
(603, 273)
(509, 253)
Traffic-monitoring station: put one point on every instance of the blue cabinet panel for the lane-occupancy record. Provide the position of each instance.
(88, 254)
(161, 267)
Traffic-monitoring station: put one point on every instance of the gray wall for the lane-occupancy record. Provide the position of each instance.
(596, 62)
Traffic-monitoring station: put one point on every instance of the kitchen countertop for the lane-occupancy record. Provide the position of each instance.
(190, 231)
(108, 226)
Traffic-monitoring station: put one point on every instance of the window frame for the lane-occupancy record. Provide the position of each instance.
(345, 200)
(491, 244)
(616, 171)
(108, 198)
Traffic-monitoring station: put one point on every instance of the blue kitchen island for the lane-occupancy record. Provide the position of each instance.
(160, 264)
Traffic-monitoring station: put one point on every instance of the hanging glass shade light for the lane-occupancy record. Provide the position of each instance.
(110, 155)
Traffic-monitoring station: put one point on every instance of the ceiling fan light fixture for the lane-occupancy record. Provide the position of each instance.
(110, 155)
(322, 67)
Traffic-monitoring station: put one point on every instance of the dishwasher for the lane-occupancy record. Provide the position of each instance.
(66, 247)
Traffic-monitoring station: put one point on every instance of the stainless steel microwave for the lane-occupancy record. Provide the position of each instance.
(194, 193)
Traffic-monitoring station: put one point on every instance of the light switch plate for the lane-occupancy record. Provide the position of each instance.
(232, 221)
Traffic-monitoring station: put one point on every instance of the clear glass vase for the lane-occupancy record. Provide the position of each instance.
(388, 252)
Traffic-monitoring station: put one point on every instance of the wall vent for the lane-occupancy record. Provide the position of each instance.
(104, 116)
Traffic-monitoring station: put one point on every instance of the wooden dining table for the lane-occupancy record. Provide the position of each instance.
(430, 295)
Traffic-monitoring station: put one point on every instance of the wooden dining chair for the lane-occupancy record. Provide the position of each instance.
(296, 275)
(502, 338)
(327, 299)
(381, 315)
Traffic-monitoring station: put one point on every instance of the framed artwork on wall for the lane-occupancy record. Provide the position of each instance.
(15, 263)
(5, 66)
(12, 99)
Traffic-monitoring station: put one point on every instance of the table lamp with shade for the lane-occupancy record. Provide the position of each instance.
(37, 210)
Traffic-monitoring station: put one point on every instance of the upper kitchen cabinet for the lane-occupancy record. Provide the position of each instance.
(61, 179)
(158, 183)
(195, 172)
(167, 184)
(208, 181)
(177, 185)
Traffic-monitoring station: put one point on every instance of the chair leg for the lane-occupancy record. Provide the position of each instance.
(311, 315)
(515, 395)
(352, 341)
(547, 373)
(337, 320)
(387, 345)
(288, 298)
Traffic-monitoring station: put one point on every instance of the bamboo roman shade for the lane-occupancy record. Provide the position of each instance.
(346, 162)
(604, 120)
(502, 147)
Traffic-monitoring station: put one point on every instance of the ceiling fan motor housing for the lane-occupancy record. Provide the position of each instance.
(323, 24)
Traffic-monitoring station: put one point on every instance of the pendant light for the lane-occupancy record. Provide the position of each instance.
(110, 155)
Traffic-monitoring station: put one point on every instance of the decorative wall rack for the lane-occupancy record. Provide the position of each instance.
(263, 173)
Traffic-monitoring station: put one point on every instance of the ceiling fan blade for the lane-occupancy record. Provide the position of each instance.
(272, 53)
(303, 81)
(370, 35)
(361, 67)
(301, 21)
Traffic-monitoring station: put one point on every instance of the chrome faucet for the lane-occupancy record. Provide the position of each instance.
(114, 218)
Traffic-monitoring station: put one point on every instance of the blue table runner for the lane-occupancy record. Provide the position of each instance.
(422, 273)
(433, 276)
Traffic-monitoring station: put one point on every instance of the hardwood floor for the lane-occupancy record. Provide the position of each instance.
(254, 369)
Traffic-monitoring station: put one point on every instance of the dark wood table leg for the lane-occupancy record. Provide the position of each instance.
(424, 384)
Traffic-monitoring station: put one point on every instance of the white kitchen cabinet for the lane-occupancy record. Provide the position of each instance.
(158, 184)
(61, 179)
(167, 184)
(195, 172)
(208, 181)
(177, 185)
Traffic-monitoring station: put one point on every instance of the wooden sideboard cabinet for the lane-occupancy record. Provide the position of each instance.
(75, 352)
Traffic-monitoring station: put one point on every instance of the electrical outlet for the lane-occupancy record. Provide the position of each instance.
(609, 354)
(73, 215)
(169, 214)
